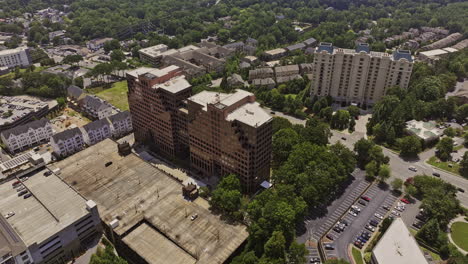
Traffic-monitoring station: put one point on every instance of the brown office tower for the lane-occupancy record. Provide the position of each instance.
(230, 133)
(154, 97)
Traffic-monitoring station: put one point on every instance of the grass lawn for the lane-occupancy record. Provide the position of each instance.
(459, 232)
(357, 256)
(434, 161)
(116, 94)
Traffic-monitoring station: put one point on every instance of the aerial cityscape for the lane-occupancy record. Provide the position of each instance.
(233, 132)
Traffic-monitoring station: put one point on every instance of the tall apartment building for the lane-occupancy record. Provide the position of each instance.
(224, 133)
(15, 57)
(154, 97)
(358, 76)
(230, 133)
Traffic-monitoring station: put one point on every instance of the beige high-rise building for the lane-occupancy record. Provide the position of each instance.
(358, 76)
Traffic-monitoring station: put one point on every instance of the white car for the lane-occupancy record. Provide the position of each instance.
(395, 213)
(412, 168)
(356, 208)
(378, 216)
(370, 228)
(10, 214)
(193, 217)
(352, 213)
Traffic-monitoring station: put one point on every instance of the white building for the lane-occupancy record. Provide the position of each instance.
(358, 76)
(121, 124)
(397, 245)
(95, 107)
(67, 142)
(28, 135)
(96, 131)
(153, 55)
(53, 225)
(15, 57)
(98, 43)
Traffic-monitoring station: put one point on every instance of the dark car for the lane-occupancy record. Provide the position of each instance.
(22, 193)
(460, 190)
(365, 198)
(27, 195)
(363, 239)
(418, 225)
(273, 113)
(362, 202)
(366, 234)
(436, 174)
(343, 221)
(329, 246)
(373, 223)
(47, 173)
(343, 138)
(386, 207)
(358, 244)
(337, 229)
(330, 236)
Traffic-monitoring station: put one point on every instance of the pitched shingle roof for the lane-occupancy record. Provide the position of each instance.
(74, 91)
(98, 124)
(119, 116)
(24, 128)
(96, 103)
(66, 134)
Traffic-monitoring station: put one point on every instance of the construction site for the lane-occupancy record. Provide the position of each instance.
(144, 210)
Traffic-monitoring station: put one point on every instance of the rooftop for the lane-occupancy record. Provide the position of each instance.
(21, 106)
(152, 72)
(21, 129)
(10, 51)
(275, 51)
(398, 246)
(134, 192)
(424, 130)
(174, 85)
(154, 50)
(53, 207)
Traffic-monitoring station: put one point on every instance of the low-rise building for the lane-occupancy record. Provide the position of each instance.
(288, 70)
(397, 245)
(74, 93)
(432, 56)
(267, 82)
(96, 131)
(426, 131)
(98, 43)
(153, 55)
(285, 79)
(15, 57)
(19, 110)
(28, 135)
(443, 42)
(95, 107)
(121, 124)
(261, 73)
(306, 68)
(274, 54)
(310, 42)
(21, 165)
(51, 223)
(67, 142)
(298, 46)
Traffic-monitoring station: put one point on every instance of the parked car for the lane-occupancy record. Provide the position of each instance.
(337, 229)
(329, 246)
(366, 234)
(10, 214)
(361, 202)
(343, 221)
(27, 195)
(14, 184)
(412, 168)
(395, 213)
(24, 179)
(386, 207)
(378, 216)
(418, 225)
(21, 188)
(358, 244)
(272, 112)
(22, 193)
(351, 212)
(436, 174)
(370, 228)
(460, 190)
(47, 173)
(405, 201)
(373, 223)
(193, 217)
(343, 138)
(356, 208)
(365, 198)
(330, 236)
(314, 261)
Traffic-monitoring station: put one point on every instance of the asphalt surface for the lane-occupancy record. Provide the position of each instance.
(379, 197)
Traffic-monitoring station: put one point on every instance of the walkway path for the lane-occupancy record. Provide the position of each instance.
(458, 219)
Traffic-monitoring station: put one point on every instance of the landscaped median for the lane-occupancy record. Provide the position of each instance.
(459, 233)
(357, 256)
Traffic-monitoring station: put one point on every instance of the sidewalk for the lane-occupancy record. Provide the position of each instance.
(458, 219)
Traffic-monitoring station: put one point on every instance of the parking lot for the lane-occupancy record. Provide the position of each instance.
(352, 225)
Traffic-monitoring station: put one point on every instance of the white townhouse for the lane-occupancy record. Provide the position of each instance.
(121, 124)
(96, 107)
(27, 135)
(67, 142)
(96, 131)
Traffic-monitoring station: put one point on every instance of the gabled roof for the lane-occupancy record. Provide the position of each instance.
(96, 103)
(296, 46)
(119, 116)
(310, 41)
(95, 125)
(24, 128)
(74, 91)
(66, 134)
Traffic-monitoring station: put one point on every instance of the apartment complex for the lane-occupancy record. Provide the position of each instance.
(96, 131)
(28, 135)
(230, 133)
(154, 97)
(15, 57)
(53, 224)
(67, 142)
(223, 133)
(153, 55)
(95, 107)
(358, 76)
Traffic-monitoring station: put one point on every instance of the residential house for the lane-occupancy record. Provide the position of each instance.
(274, 54)
(261, 73)
(98, 43)
(74, 93)
(121, 124)
(288, 70)
(95, 107)
(311, 42)
(28, 135)
(96, 131)
(298, 46)
(67, 142)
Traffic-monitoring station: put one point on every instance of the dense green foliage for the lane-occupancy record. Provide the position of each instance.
(36, 83)
(106, 255)
(226, 197)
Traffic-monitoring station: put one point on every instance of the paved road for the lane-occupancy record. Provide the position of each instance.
(400, 166)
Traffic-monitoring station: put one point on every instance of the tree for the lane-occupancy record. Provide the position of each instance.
(297, 253)
(106, 255)
(397, 184)
(226, 197)
(111, 45)
(430, 233)
(450, 132)
(384, 173)
(372, 170)
(282, 144)
(354, 111)
(340, 120)
(444, 148)
(464, 165)
(362, 147)
(117, 55)
(279, 123)
(72, 59)
(409, 146)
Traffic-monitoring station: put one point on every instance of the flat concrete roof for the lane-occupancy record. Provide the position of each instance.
(53, 207)
(398, 246)
(174, 85)
(134, 192)
(148, 242)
